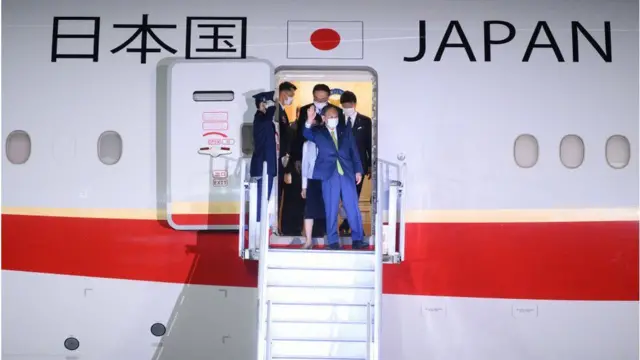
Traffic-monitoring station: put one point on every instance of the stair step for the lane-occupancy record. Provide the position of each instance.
(343, 260)
(323, 286)
(287, 357)
(327, 295)
(307, 348)
(337, 340)
(286, 267)
(320, 278)
(319, 313)
(297, 241)
(318, 322)
(326, 331)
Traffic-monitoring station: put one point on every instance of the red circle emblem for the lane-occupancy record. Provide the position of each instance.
(325, 39)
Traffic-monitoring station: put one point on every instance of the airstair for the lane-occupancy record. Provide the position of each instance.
(319, 304)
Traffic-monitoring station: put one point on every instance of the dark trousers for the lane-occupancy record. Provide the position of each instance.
(269, 187)
(291, 206)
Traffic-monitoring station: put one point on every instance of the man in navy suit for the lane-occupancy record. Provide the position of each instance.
(265, 139)
(339, 167)
(321, 94)
(264, 143)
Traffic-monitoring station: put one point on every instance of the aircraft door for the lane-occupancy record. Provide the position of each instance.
(209, 105)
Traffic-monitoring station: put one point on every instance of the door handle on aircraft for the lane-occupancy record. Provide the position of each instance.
(214, 151)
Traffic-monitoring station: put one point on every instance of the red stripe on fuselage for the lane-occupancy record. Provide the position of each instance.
(563, 261)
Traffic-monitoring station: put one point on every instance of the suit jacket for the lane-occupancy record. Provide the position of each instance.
(286, 139)
(264, 143)
(361, 128)
(296, 151)
(346, 152)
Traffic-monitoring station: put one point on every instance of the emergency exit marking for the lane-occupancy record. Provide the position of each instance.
(218, 142)
(220, 174)
(215, 125)
(215, 116)
(220, 182)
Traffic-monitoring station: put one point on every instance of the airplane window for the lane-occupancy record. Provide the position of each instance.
(18, 147)
(525, 151)
(109, 147)
(618, 151)
(572, 151)
(247, 139)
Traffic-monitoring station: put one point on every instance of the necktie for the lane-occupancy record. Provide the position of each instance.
(335, 141)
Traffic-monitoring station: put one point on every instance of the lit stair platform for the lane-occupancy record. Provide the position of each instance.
(320, 303)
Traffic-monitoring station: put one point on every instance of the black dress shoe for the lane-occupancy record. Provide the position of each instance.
(359, 244)
(335, 246)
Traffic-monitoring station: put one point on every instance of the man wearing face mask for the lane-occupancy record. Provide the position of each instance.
(286, 92)
(360, 126)
(339, 168)
(321, 93)
(264, 143)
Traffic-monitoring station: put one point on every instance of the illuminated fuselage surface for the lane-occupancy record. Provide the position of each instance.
(518, 122)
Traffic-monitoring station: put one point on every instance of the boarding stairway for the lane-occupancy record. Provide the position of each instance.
(319, 304)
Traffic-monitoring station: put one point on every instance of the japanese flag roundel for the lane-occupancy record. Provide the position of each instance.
(325, 39)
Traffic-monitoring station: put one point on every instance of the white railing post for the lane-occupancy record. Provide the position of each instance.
(268, 339)
(401, 193)
(378, 269)
(262, 264)
(244, 185)
(392, 218)
(264, 211)
(253, 213)
(369, 335)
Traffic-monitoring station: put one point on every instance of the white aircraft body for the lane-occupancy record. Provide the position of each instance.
(516, 123)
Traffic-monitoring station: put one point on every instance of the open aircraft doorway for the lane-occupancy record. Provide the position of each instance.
(291, 206)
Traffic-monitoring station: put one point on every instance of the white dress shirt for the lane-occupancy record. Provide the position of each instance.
(309, 155)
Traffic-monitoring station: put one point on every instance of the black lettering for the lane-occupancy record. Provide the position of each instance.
(56, 35)
(606, 54)
(487, 36)
(463, 38)
(542, 25)
(422, 43)
(226, 37)
(143, 30)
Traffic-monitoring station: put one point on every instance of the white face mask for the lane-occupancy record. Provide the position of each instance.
(319, 105)
(349, 111)
(332, 123)
(288, 101)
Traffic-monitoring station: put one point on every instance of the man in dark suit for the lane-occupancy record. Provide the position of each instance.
(339, 168)
(321, 93)
(361, 129)
(264, 143)
(286, 92)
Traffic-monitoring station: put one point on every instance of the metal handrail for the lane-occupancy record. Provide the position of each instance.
(392, 218)
(268, 337)
(262, 262)
(369, 335)
(403, 186)
(378, 269)
(244, 186)
(253, 212)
